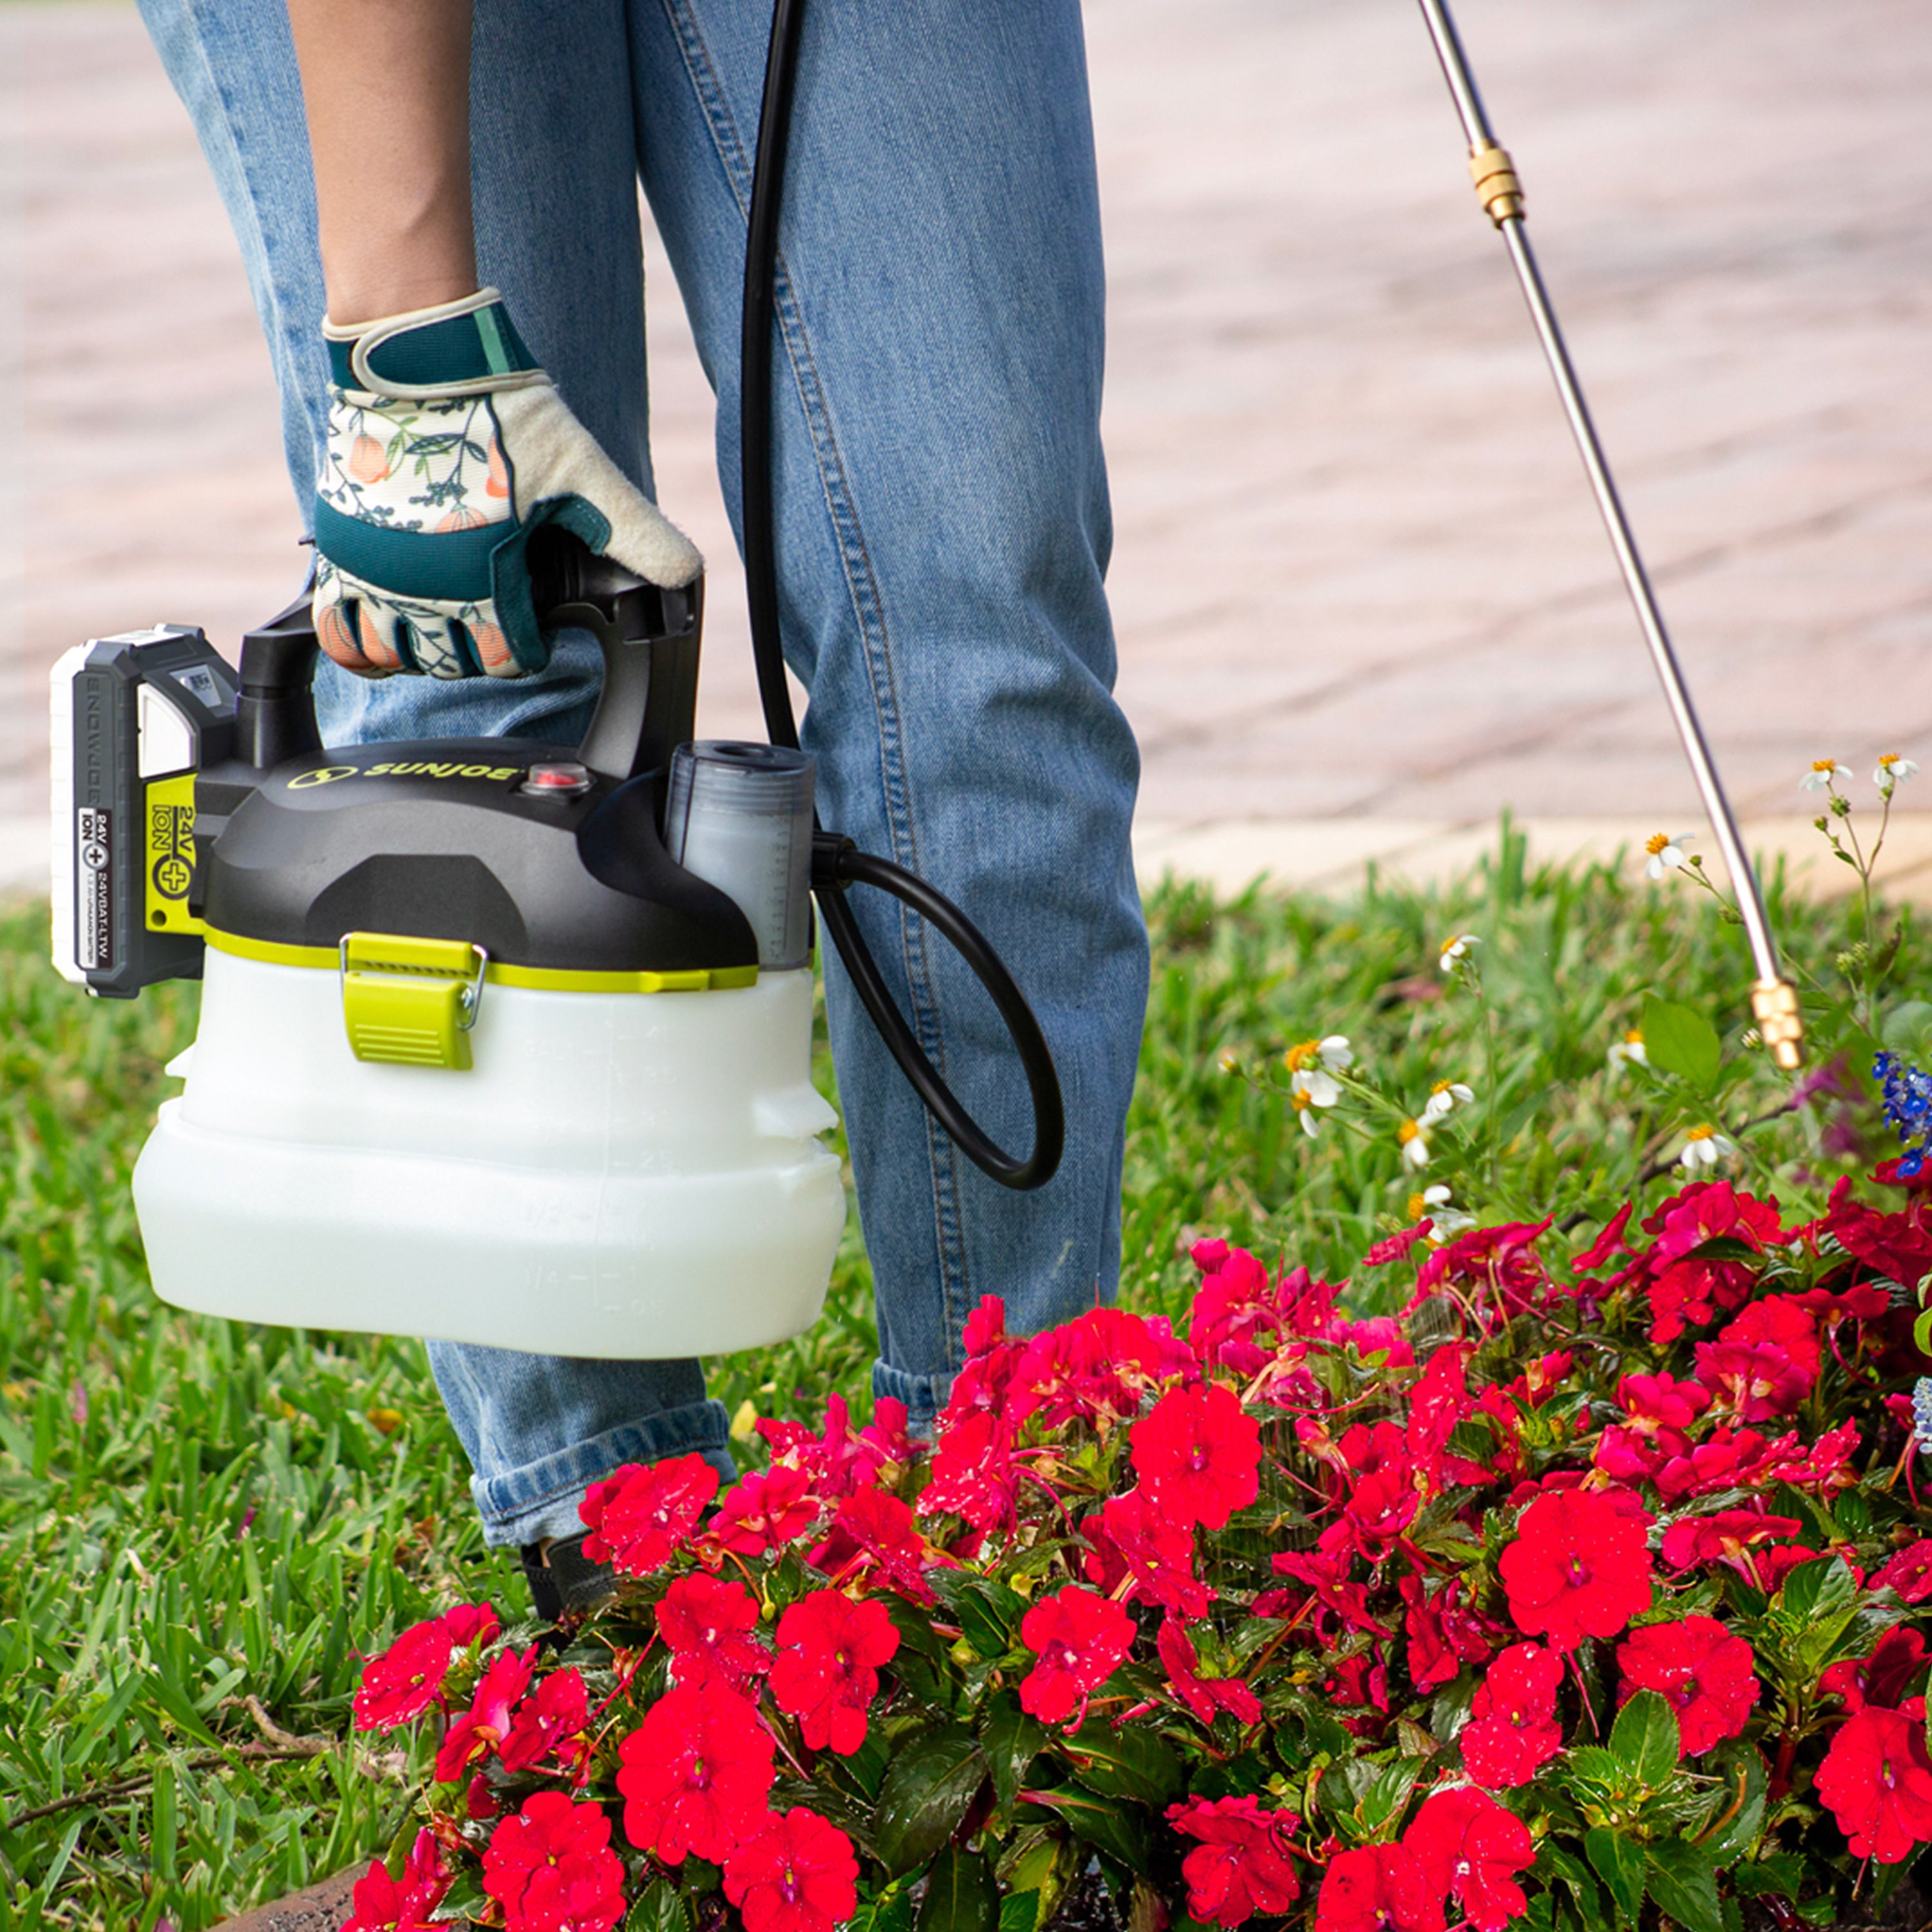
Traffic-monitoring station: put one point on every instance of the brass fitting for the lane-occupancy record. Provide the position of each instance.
(1497, 187)
(1775, 1003)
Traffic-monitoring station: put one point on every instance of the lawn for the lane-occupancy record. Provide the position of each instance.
(202, 1524)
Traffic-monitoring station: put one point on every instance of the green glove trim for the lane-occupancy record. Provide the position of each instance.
(453, 566)
(459, 350)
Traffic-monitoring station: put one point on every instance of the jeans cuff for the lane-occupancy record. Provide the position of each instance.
(924, 1396)
(540, 1499)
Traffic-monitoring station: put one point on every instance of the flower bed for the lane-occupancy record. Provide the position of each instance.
(1591, 1588)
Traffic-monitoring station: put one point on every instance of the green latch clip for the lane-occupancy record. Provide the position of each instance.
(409, 1002)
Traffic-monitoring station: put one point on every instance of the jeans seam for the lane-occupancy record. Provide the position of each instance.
(862, 586)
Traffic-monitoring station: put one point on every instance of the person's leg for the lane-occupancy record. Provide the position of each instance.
(557, 231)
(943, 529)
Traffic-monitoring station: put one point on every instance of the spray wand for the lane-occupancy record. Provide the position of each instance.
(1774, 999)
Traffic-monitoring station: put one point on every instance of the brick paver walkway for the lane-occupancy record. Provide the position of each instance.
(1362, 598)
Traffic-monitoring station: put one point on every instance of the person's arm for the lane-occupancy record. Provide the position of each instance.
(386, 86)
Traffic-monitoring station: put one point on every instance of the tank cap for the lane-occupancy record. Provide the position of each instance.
(560, 781)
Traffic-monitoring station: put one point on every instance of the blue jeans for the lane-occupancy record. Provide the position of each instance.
(943, 529)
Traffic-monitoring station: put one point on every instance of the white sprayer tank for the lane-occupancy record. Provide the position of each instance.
(622, 1175)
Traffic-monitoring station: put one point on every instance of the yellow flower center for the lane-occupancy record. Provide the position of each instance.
(1890, 759)
(1297, 1057)
(1824, 764)
(1656, 842)
(1409, 1130)
(1299, 1101)
(1417, 1207)
(1702, 1134)
(1442, 1086)
(1633, 1037)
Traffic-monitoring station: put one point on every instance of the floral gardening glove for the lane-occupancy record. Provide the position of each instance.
(447, 447)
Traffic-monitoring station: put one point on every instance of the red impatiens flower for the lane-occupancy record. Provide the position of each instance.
(875, 1535)
(1131, 1537)
(1700, 1670)
(1241, 1865)
(486, 1723)
(707, 1623)
(826, 1672)
(1197, 1453)
(1883, 1678)
(1729, 1537)
(1512, 1730)
(973, 1475)
(640, 1516)
(1910, 1572)
(1384, 1475)
(1763, 1364)
(1079, 1639)
(798, 1874)
(1203, 1695)
(407, 1679)
(1470, 1848)
(1579, 1567)
(1691, 1288)
(552, 1868)
(1379, 1888)
(1878, 1781)
(695, 1775)
(765, 1510)
(1096, 1369)
(386, 1904)
(1442, 1635)
(550, 1724)
(793, 1872)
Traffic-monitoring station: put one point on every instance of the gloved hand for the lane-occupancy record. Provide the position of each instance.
(447, 447)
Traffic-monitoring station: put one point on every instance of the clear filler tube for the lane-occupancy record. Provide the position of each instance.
(739, 816)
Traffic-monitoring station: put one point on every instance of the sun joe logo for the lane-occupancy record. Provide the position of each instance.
(324, 774)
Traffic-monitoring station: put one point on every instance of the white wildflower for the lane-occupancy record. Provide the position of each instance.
(1312, 1067)
(1824, 773)
(1892, 770)
(1628, 1052)
(1443, 1098)
(1414, 1143)
(1666, 853)
(1705, 1147)
(1456, 947)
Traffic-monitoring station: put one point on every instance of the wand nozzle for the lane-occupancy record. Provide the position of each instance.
(1774, 1000)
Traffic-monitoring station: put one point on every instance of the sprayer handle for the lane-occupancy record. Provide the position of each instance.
(649, 636)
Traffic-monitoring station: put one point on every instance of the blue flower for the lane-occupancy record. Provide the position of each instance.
(1905, 1094)
(1921, 1412)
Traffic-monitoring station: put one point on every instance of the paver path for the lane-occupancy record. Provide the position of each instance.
(1362, 598)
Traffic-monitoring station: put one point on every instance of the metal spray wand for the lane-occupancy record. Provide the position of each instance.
(1774, 999)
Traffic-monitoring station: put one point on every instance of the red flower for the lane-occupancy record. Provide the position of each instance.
(1079, 1639)
(1497, 1266)
(799, 1874)
(1898, 1246)
(479, 1801)
(1700, 1670)
(407, 1679)
(640, 1516)
(1579, 1567)
(765, 1510)
(552, 1867)
(1877, 1780)
(384, 1904)
(1727, 1537)
(707, 1623)
(1690, 1288)
(695, 1775)
(1379, 1888)
(974, 1477)
(1512, 1730)
(875, 1533)
(1654, 1403)
(1241, 1865)
(1096, 1369)
(1383, 1473)
(1882, 1678)
(1442, 1636)
(1203, 1695)
(487, 1722)
(550, 1724)
(827, 1668)
(1470, 1848)
(1910, 1572)
(1763, 1364)
(1197, 1453)
(1130, 1536)
(840, 1460)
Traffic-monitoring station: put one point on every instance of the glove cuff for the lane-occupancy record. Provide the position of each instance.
(464, 348)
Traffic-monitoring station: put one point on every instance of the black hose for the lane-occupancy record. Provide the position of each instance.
(837, 862)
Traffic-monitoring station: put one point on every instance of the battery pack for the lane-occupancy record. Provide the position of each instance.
(134, 718)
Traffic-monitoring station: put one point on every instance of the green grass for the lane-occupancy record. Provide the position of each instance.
(193, 1514)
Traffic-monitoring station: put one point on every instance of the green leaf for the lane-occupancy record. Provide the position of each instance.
(1819, 1589)
(1647, 1739)
(927, 1789)
(1738, 1810)
(1677, 1040)
(1011, 1740)
(1127, 1763)
(1619, 1862)
(1684, 1883)
(660, 1907)
(1120, 1832)
(960, 1894)
(1019, 1911)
